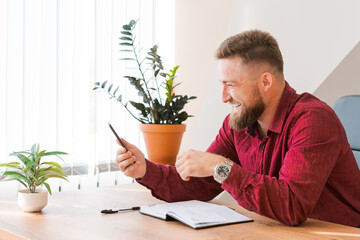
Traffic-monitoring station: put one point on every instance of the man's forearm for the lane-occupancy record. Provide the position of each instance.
(166, 184)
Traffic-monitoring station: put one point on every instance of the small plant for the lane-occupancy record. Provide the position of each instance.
(30, 171)
(155, 108)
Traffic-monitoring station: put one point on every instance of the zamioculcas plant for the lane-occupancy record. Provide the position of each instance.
(31, 171)
(160, 104)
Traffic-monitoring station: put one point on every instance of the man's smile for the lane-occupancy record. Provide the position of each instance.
(236, 106)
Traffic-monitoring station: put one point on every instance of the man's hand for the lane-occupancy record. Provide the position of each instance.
(196, 164)
(131, 162)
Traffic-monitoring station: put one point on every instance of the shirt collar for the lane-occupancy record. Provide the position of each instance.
(278, 120)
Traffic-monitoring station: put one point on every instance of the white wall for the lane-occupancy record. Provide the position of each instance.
(200, 27)
(343, 81)
(314, 37)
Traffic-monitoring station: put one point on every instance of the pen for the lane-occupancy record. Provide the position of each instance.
(106, 211)
(117, 136)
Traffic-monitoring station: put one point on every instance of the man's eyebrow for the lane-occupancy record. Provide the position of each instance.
(226, 81)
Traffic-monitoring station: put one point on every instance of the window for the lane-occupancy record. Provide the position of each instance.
(51, 53)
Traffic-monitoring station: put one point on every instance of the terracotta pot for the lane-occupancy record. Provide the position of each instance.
(162, 141)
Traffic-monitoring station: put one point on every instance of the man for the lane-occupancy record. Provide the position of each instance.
(279, 154)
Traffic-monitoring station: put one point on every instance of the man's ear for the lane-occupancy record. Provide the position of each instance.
(267, 80)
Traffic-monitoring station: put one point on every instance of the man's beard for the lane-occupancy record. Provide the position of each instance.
(248, 115)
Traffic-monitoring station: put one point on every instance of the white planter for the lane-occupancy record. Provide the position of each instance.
(32, 202)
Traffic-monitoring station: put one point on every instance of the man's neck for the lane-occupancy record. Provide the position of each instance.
(266, 118)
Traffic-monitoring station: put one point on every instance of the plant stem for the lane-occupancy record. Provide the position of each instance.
(158, 90)
(150, 101)
(131, 113)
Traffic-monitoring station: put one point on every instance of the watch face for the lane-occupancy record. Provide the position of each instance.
(223, 171)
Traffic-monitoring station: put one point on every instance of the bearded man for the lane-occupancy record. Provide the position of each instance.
(280, 154)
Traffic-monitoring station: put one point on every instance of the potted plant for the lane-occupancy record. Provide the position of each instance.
(32, 172)
(161, 110)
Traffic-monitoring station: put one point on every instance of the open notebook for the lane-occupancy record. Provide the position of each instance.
(195, 214)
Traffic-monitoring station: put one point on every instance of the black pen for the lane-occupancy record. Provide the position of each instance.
(106, 211)
(117, 136)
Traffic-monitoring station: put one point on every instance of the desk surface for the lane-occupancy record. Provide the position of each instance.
(76, 215)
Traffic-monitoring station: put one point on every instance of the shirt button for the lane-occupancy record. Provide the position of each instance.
(261, 146)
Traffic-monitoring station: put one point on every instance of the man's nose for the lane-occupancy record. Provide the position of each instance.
(225, 95)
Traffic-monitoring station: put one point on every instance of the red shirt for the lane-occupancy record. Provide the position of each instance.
(303, 168)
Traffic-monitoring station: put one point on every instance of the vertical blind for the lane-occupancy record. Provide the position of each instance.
(51, 54)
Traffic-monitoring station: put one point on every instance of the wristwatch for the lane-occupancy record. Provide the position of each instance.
(222, 170)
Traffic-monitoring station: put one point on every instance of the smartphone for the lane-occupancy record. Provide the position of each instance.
(117, 136)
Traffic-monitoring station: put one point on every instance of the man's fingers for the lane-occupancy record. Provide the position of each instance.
(120, 150)
(178, 163)
(184, 176)
(123, 165)
(127, 144)
(121, 156)
(180, 155)
(183, 171)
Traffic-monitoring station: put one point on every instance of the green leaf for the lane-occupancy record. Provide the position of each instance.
(126, 27)
(130, 77)
(116, 90)
(140, 107)
(126, 39)
(20, 152)
(103, 84)
(125, 44)
(41, 181)
(47, 187)
(37, 149)
(54, 164)
(43, 171)
(49, 173)
(43, 176)
(176, 85)
(132, 23)
(9, 163)
(53, 175)
(33, 151)
(174, 69)
(15, 178)
(14, 165)
(110, 87)
(26, 160)
(127, 59)
(53, 172)
(42, 152)
(156, 72)
(126, 33)
(54, 153)
(13, 174)
(119, 99)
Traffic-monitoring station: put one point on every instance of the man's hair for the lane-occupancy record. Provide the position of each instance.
(252, 46)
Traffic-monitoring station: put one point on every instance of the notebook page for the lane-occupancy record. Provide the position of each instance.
(211, 214)
(160, 210)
